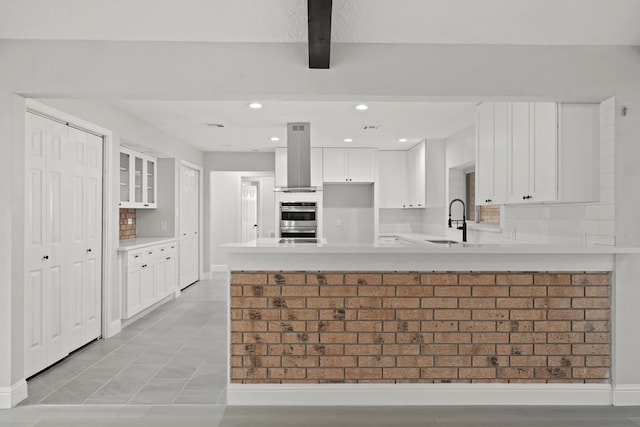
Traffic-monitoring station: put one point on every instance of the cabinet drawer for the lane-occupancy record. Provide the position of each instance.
(134, 257)
(166, 250)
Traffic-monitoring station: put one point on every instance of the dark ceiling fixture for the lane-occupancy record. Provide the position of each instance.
(319, 14)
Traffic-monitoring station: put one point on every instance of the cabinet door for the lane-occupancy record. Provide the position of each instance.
(171, 273)
(392, 179)
(334, 165)
(500, 152)
(416, 174)
(160, 277)
(138, 184)
(435, 173)
(361, 165)
(134, 285)
(125, 178)
(484, 153)
(544, 152)
(316, 167)
(281, 167)
(519, 154)
(150, 183)
(147, 283)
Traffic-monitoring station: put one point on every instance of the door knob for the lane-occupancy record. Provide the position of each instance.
(45, 257)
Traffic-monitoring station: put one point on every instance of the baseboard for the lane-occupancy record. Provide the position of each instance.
(11, 396)
(113, 328)
(417, 394)
(626, 395)
(219, 268)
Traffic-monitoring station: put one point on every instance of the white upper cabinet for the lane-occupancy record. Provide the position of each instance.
(416, 167)
(348, 165)
(536, 152)
(435, 152)
(392, 179)
(138, 180)
(491, 153)
(281, 167)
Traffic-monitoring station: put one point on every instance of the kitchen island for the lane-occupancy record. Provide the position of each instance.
(429, 324)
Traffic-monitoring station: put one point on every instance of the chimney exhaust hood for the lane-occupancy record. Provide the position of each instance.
(299, 159)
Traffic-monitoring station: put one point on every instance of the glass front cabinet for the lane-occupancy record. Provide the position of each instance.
(138, 180)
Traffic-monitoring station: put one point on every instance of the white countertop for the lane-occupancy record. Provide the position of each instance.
(141, 242)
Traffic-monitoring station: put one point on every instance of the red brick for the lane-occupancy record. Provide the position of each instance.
(508, 372)
(401, 303)
(339, 338)
(598, 361)
(248, 326)
(362, 279)
(401, 279)
(288, 302)
(599, 373)
(287, 349)
(490, 314)
(325, 326)
(414, 337)
(364, 326)
(591, 349)
(597, 291)
(337, 314)
(414, 314)
(477, 372)
(452, 315)
(401, 349)
(262, 361)
(452, 291)
(452, 361)
(527, 337)
(552, 303)
(239, 373)
(597, 314)
(515, 326)
(325, 302)
(287, 326)
(491, 337)
(514, 303)
(527, 291)
(440, 326)
(362, 349)
(565, 315)
(445, 373)
(320, 373)
(236, 291)
(401, 373)
(514, 279)
(376, 338)
(551, 279)
(338, 361)
(287, 278)
(553, 326)
(297, 314)
(325, 279)
(477, 303)
(262, 337)
(528, 315)
(326, 349)
(565, 337)
(439, 302)
(378, 361)
(526, 361)
(553, 372)
(490, 291)
(248, 278)
(363, 302)
(565, 361)
(591, 279)
(300, 337)
(287, 373)
(565, 291)
(476, 349)
(414, 291)
(590, 303)
(552, 349)
(435, 349)
(451, 337)
(260, 314)
(514, 349)
(400, 326)
(380, 314)
(597, 337)
(439, 279)
(235, 361)
(363, 373)
(376, 291)
(414, 361)
(248, 302)
(477, 279)
(338, 291)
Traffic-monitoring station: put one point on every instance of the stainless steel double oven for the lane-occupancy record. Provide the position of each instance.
(298, 220)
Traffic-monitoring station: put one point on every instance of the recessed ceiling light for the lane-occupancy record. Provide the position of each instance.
(255, 105)
(362, 107)
(275, 139)
(402, 140)
(348, 140)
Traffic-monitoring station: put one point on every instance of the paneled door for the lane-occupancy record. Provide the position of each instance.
(249, 212)
(189, 225)
(64, 220)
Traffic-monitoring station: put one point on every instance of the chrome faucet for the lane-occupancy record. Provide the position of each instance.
(462, 227)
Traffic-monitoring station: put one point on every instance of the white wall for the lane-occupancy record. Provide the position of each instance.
(352, 205)
(401, 220)
(366, 72)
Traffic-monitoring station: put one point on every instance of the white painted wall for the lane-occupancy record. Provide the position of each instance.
(401, 220)
(203, 71)
(352, 206)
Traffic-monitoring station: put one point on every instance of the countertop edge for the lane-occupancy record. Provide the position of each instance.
(142, 242)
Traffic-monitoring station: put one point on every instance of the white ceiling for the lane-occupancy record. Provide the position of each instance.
(553, 22)
(331, 122)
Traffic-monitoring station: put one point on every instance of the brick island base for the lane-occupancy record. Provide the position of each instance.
(419, 327)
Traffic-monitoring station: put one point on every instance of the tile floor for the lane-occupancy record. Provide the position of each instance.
(174, 355)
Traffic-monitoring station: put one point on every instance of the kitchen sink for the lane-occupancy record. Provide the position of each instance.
(442, 242)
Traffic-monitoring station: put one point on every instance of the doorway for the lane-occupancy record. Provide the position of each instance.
(250, 208)
(189, 224)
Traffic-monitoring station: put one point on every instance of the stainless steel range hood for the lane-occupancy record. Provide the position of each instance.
(299, 158)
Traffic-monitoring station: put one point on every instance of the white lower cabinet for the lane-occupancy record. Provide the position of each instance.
(149, 274)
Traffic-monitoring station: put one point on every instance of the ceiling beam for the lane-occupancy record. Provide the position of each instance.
(319, 14)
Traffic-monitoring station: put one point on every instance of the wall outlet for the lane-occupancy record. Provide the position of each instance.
(129, 221)
(338, 222)
(163, 225)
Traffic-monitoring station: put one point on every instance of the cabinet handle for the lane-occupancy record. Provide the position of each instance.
(195, 232)
(144, 265)
(419, 204)
(136, 256)
(168, 257)
(184, 234)
(526, 197)
(45, 257)
(150, 252)
(89, 250)
(410, 206)
(162, 250)
(173, 247)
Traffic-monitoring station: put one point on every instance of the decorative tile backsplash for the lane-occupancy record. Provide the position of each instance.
(127, 231)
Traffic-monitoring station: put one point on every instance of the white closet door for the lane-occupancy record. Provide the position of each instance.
(189, 225)
(249, 212)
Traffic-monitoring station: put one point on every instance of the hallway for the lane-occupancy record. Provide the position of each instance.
(174, 355)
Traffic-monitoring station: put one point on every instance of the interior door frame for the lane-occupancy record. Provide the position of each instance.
(200, 212)
(110, 287)
(257, 184)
